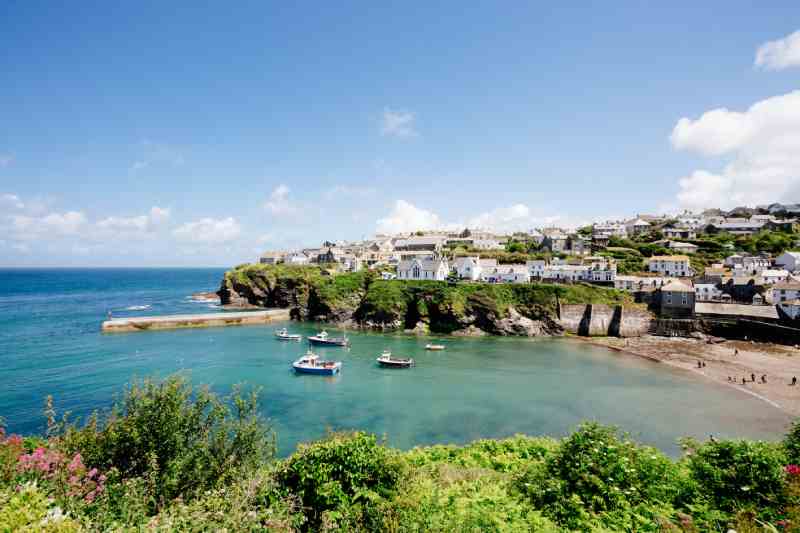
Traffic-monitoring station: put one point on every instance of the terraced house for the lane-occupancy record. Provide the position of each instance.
(670, 265)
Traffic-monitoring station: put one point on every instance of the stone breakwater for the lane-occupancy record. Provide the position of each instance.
(146, 323)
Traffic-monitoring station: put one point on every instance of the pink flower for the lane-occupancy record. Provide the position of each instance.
(76, 463)
(92, 473)
(792, 470)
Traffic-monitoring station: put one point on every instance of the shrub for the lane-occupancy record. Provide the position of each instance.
(740, 474)
(29, 509)
(182, 442)
(334, 475)
(595, 473)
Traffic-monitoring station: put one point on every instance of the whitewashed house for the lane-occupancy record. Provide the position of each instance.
(789, 260)
(573, 273)
(609, 229)
(536, 268)
(679, 232)
(670, 265)
(468, 268)
(516, 273)
(773, 276)
(487, 244)
(637, 227)
(638, 283)
(785, 291)
(423, 269)
(297, 258)
(682, 247)
(707, 292)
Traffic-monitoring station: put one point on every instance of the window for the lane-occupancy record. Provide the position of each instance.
(416, 271)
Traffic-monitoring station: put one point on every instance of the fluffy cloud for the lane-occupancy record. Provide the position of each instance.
(398, 124)
(209, 231)
(53, 224)
(406, 217)
(779, 54)
(763, 147)
(142, 223)
(11, 200)
(278, 203)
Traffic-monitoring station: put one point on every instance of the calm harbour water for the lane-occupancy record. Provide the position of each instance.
(50, 343)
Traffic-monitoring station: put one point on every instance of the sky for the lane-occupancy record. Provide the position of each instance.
(203, 133)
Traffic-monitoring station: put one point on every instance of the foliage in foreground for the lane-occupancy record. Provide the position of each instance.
(169, 458)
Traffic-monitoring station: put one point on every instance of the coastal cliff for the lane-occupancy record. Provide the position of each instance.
(364, 300)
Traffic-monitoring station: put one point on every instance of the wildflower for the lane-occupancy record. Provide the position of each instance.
(792, 470)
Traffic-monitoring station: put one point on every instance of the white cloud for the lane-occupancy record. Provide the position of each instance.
(406, 217)
(209, 230)
(763, 144)
(142, 223)
(398, 124)
(6, 159)
(11, 200)
(278, 203)
(779, 54)
(53, 224)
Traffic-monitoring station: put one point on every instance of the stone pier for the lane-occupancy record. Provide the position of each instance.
(146, 323)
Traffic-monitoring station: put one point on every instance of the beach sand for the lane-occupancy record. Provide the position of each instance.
(779, 363)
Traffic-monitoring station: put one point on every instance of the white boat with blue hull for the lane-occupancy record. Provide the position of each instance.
(284, 335)
(323, 339)
(310, 363)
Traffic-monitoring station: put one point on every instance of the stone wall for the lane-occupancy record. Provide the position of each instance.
(600, 320)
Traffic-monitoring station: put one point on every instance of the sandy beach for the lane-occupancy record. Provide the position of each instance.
(779, 363)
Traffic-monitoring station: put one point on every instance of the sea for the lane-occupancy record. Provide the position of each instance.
(51, 344)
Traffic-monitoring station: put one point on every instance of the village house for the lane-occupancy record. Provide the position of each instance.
(423, 269)
(677, 300)
(555, 241)
(638, 283)
(789, 261)
(670, 265)
(272, 258)
(735, 227)
(571, 273)
(679, 232)
(296, 258)
(707, 292)
(772, 276)
(609, 229)
(420, 244)
(682, 247)
(536, 268)
(637, 227)
(578, 244)
(472, 267)
(487, 244)
(744, 264)
(516, 273)
(785, 291)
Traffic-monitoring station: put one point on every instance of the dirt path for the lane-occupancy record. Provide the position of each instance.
(779, 364)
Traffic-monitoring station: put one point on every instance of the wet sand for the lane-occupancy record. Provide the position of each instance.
(779, 363)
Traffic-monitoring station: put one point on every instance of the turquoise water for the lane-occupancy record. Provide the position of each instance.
(50, 343)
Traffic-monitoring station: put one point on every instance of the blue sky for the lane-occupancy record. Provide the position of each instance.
(187, 134)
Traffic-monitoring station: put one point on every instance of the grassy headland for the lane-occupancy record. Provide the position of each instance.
(364, 299)
(168, 458)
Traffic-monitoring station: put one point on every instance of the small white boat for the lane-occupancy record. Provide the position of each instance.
(284, 335)
(434, 347)
(310, 363)
(386, 359)
(323, 339)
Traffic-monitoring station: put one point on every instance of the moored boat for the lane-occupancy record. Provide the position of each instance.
(386, 359)
(434, 347)
(323, 339)
(310, 363)
(284, 335)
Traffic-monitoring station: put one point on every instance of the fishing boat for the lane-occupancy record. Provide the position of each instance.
(434, 347)
(310, 363)
(323, 339)
(387, 360)
(284, 335)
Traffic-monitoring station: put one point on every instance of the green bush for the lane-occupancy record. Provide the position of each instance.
(182, 441)
(334, 475)
(735, 475)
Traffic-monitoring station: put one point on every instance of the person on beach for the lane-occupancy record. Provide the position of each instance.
(735, 352)
(704, 364)
(744, 381)
(764, 378)
(753, 378)
(730, 378)
(794, 381)
(699, 364)
(109, 315)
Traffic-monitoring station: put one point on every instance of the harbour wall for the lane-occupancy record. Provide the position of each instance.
(147, 323)
(600, 320)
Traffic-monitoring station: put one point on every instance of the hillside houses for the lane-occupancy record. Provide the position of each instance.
(423, 269)
(670, 265)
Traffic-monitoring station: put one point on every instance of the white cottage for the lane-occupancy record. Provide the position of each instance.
(423, 269)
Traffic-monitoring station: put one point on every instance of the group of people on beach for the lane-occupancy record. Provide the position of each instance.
(745, 381)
